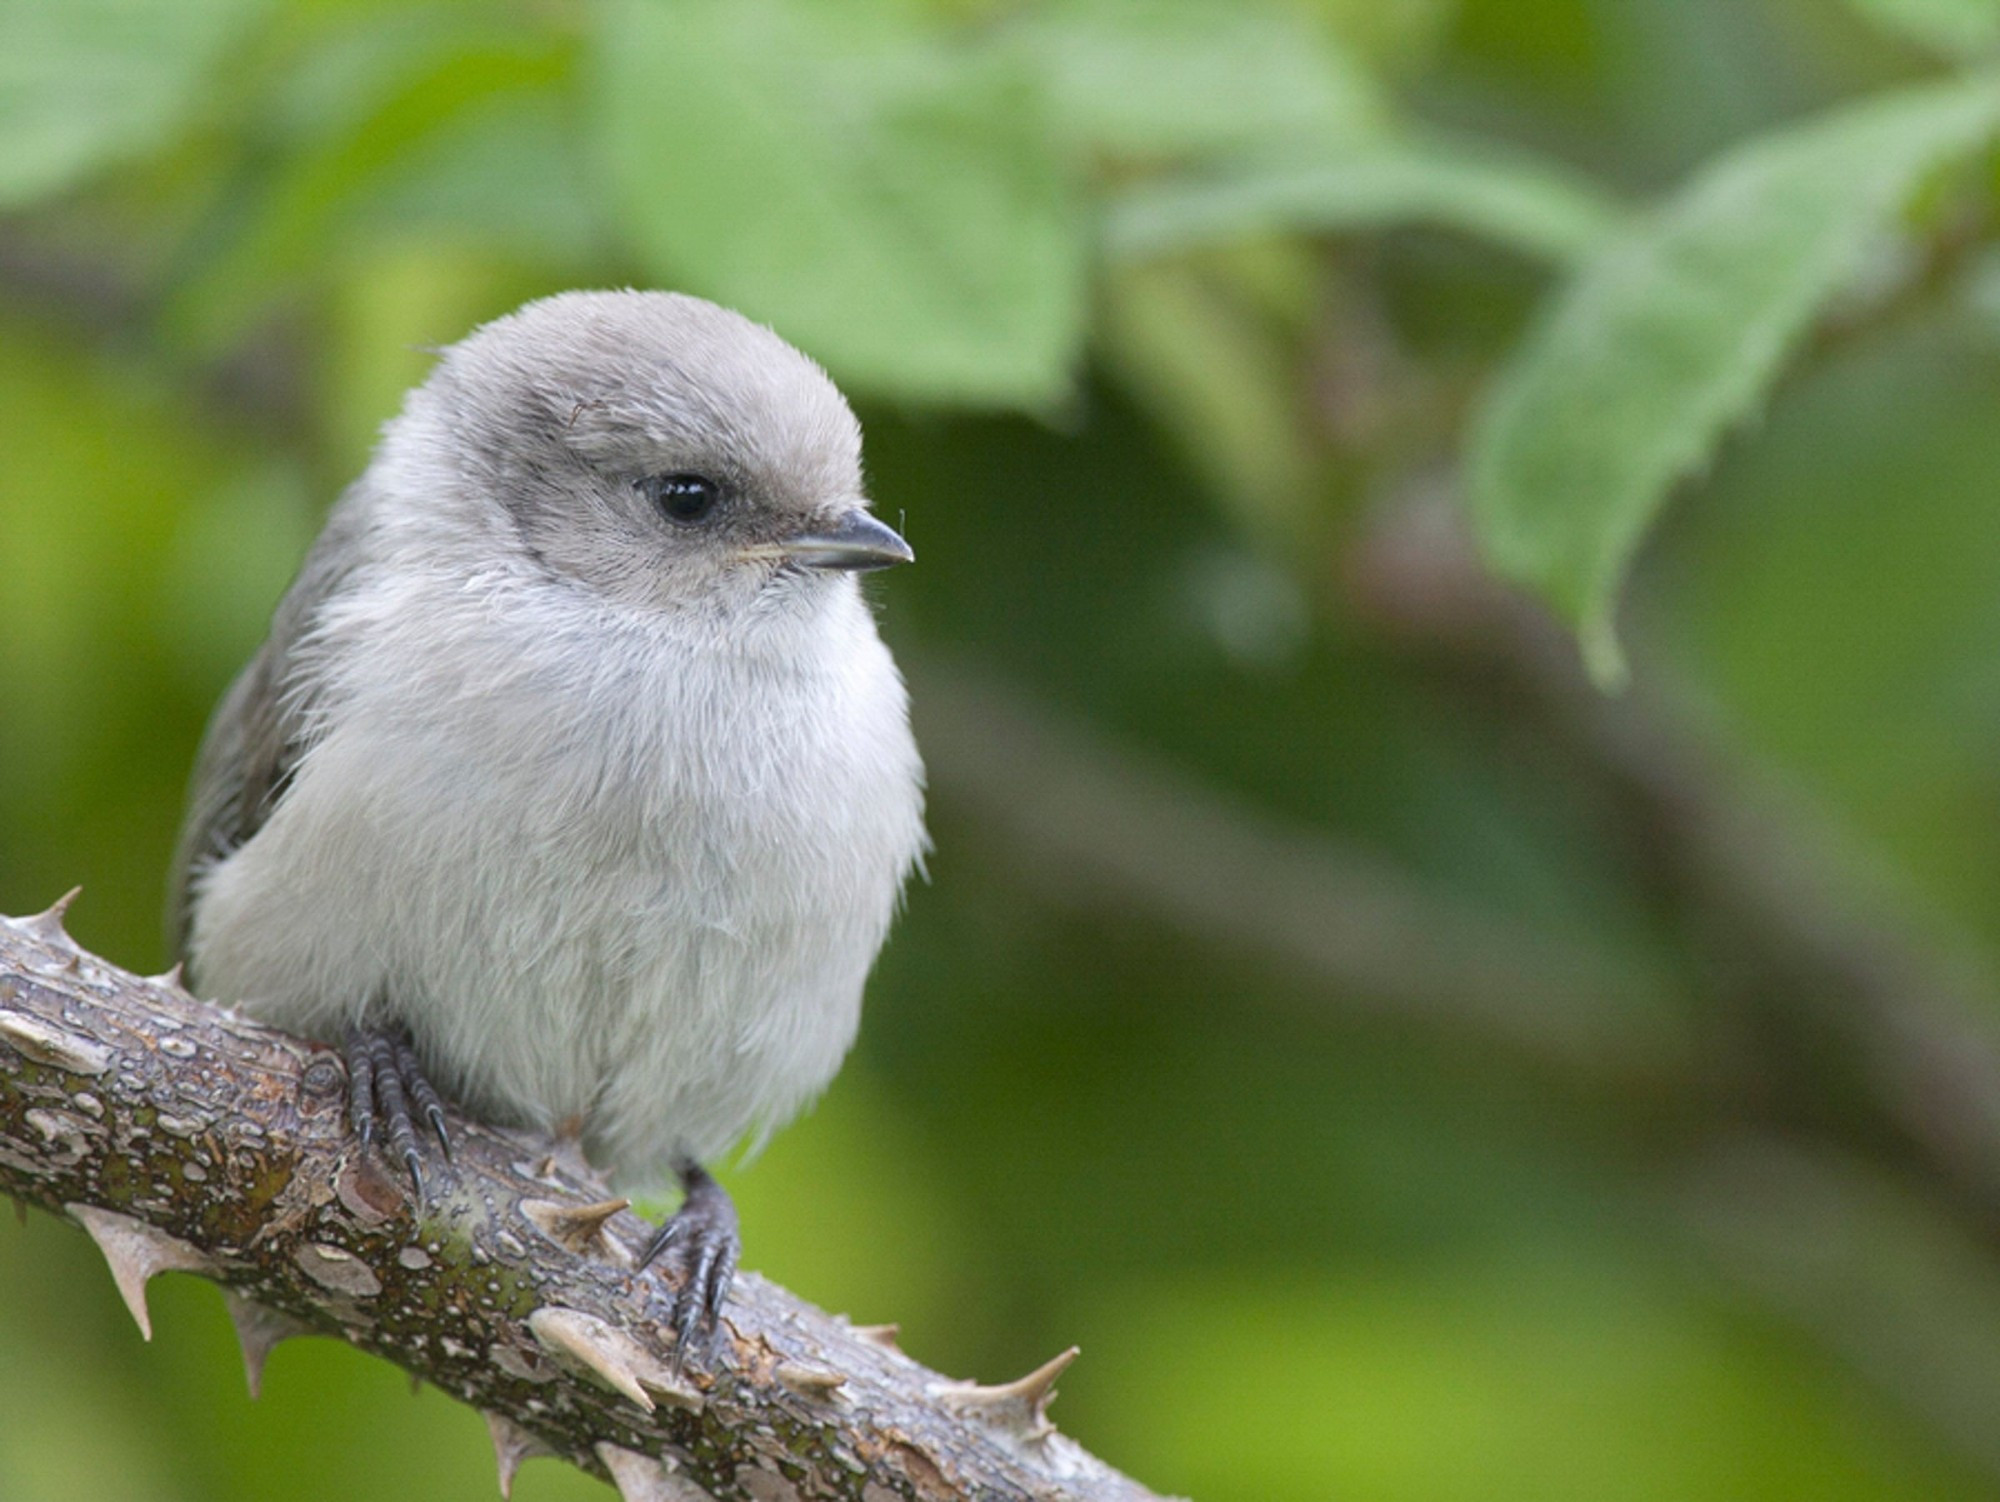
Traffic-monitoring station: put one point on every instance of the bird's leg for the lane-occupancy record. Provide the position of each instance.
(703, 1242)
(384, 1081)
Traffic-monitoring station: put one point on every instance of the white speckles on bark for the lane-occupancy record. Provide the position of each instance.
(521, 1364)
(764, 1485)
(68, 1136)
(337, 1269)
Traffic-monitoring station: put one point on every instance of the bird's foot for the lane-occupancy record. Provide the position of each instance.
(385, 1082)
(701, 1242)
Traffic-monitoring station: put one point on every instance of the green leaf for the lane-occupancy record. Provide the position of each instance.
(1962, 28)
(427, 124)
(885, 195)
(1152, 80)
(1514, 201)
(504, 174)
(87, 83)
(1677, 330)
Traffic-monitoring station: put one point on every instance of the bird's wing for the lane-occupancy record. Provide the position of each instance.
(259, 730)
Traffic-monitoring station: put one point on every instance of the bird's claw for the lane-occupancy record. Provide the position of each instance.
(701, 1242)
(383, 1080)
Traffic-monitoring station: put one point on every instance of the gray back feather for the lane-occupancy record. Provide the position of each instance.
(257, 734)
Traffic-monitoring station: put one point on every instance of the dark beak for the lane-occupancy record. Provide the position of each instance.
(856, 542)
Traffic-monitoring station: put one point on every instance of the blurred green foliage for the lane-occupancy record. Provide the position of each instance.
(1405, 1074)
(1677, 331)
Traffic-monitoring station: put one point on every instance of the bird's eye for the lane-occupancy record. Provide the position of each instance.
(683, 498)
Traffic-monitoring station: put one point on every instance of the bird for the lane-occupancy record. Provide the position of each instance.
(574, 782)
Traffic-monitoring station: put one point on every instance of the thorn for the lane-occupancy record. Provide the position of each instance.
(615, 1357)
(511, 1445)
(137, 1254)
(20, 1210)
(641, 1478)
(565, 1156)
(590, 1342)
(416, 1385)
(577, 1228)
(809, 1381)
(259, 1328)
(171, 979)
(882, 1336)
(1020, 1406)
(48, 925)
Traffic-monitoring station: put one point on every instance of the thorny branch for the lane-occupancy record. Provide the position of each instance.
(185, 1138)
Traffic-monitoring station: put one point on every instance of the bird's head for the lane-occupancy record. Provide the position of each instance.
(656, 448)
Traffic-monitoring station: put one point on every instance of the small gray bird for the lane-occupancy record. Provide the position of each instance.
(573, 775)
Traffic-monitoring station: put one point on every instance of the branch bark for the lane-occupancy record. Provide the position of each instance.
(185, 1138)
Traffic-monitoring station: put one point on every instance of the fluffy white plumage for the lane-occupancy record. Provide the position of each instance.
(612, 814)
